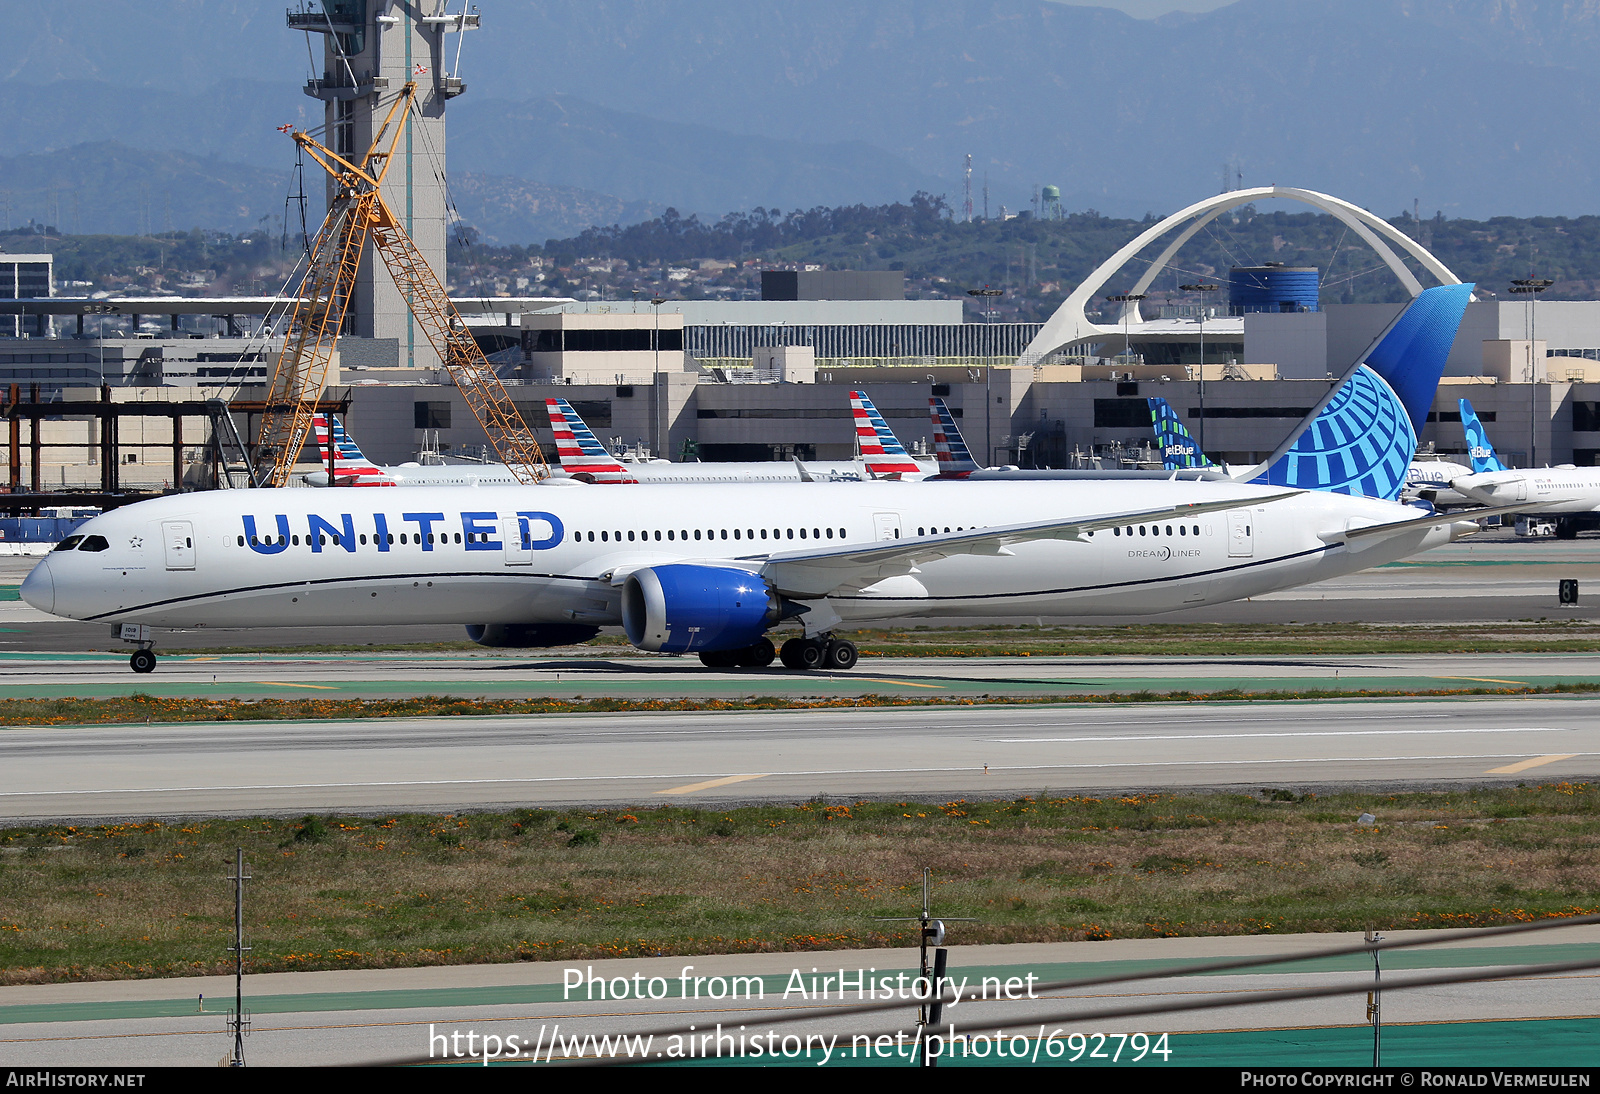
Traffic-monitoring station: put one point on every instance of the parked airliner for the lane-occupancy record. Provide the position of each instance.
(583, 457)
(710, 569)
(882, 456)
(1570, 494)
(349, 466)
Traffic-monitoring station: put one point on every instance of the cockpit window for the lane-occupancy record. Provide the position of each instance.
(95, 543)
(69, 543)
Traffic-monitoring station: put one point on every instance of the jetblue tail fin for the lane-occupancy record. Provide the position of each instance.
(582, 455)
(1361, 437)
(880, 448)
(1179, 450)
(1482, 452)
(955, 459)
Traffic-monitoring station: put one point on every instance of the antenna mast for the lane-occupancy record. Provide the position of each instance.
(966, 206)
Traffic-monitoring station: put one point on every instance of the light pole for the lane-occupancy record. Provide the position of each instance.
(655, 374)
(1531, 287)
(1125, 299)
(1202, 287)
(987, 295)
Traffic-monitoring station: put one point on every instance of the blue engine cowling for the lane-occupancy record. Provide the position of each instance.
(529, 636)
(683, 608)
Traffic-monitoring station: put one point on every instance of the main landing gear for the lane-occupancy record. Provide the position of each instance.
(822, 652)
(758, 656)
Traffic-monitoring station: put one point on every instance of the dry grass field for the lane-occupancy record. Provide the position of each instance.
(349, 892)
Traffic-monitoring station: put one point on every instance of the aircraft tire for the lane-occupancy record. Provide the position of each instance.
(721, 659)
(841, 656)
(802, 653)
(1566, 529)
(143, 661)
(758, 656)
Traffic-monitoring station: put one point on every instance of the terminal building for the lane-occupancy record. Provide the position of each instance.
(770, 379)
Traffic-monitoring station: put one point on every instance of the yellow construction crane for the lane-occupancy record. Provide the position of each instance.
(357, 211)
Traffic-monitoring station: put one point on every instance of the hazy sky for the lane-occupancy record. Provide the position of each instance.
(1149, 9)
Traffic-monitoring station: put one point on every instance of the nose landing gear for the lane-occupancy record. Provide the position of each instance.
(144, 658)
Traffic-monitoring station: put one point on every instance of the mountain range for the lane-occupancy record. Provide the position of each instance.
(1464, 106)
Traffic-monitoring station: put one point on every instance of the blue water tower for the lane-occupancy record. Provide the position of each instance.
(1272, 288)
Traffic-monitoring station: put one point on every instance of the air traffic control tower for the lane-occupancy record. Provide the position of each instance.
(370, 49)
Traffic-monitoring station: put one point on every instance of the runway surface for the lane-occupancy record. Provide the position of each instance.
(89, 773)
(393, 1015)
(646, 677)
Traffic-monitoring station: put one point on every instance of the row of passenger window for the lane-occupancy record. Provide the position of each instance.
(1155, 530)
(323, 541)
(673, 535)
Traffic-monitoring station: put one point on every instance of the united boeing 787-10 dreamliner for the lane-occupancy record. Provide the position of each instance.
(711, 569)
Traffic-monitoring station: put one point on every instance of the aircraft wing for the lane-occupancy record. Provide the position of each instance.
(847, 567)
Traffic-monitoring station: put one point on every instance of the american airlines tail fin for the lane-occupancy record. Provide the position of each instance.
(955, 459)
(881, 450)
(1360, 438)
(1179, 450)
(350, 467)
(582, 454)
(1484, 457)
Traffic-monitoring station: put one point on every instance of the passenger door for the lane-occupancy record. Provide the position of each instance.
(518, 541)
(177, 538)
(1241, 538)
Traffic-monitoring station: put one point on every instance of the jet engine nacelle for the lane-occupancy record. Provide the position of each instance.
(529, 636)
(683, 608)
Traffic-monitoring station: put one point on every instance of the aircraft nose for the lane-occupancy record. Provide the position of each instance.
(39, 588)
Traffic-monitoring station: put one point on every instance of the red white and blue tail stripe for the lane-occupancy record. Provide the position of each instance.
(955, 460)
(350, 467)
(582, 454)
(881, 450)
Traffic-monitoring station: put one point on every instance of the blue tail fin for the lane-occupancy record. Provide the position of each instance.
(1179, 450)
(1361, 437)
(1482, 452)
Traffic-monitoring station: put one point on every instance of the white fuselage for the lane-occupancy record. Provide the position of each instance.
(558, 552)
(1546, 490)
(645, 471)
(1434, 472)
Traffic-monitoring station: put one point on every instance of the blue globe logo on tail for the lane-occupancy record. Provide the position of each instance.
(1361, 440)
(1361, 443)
